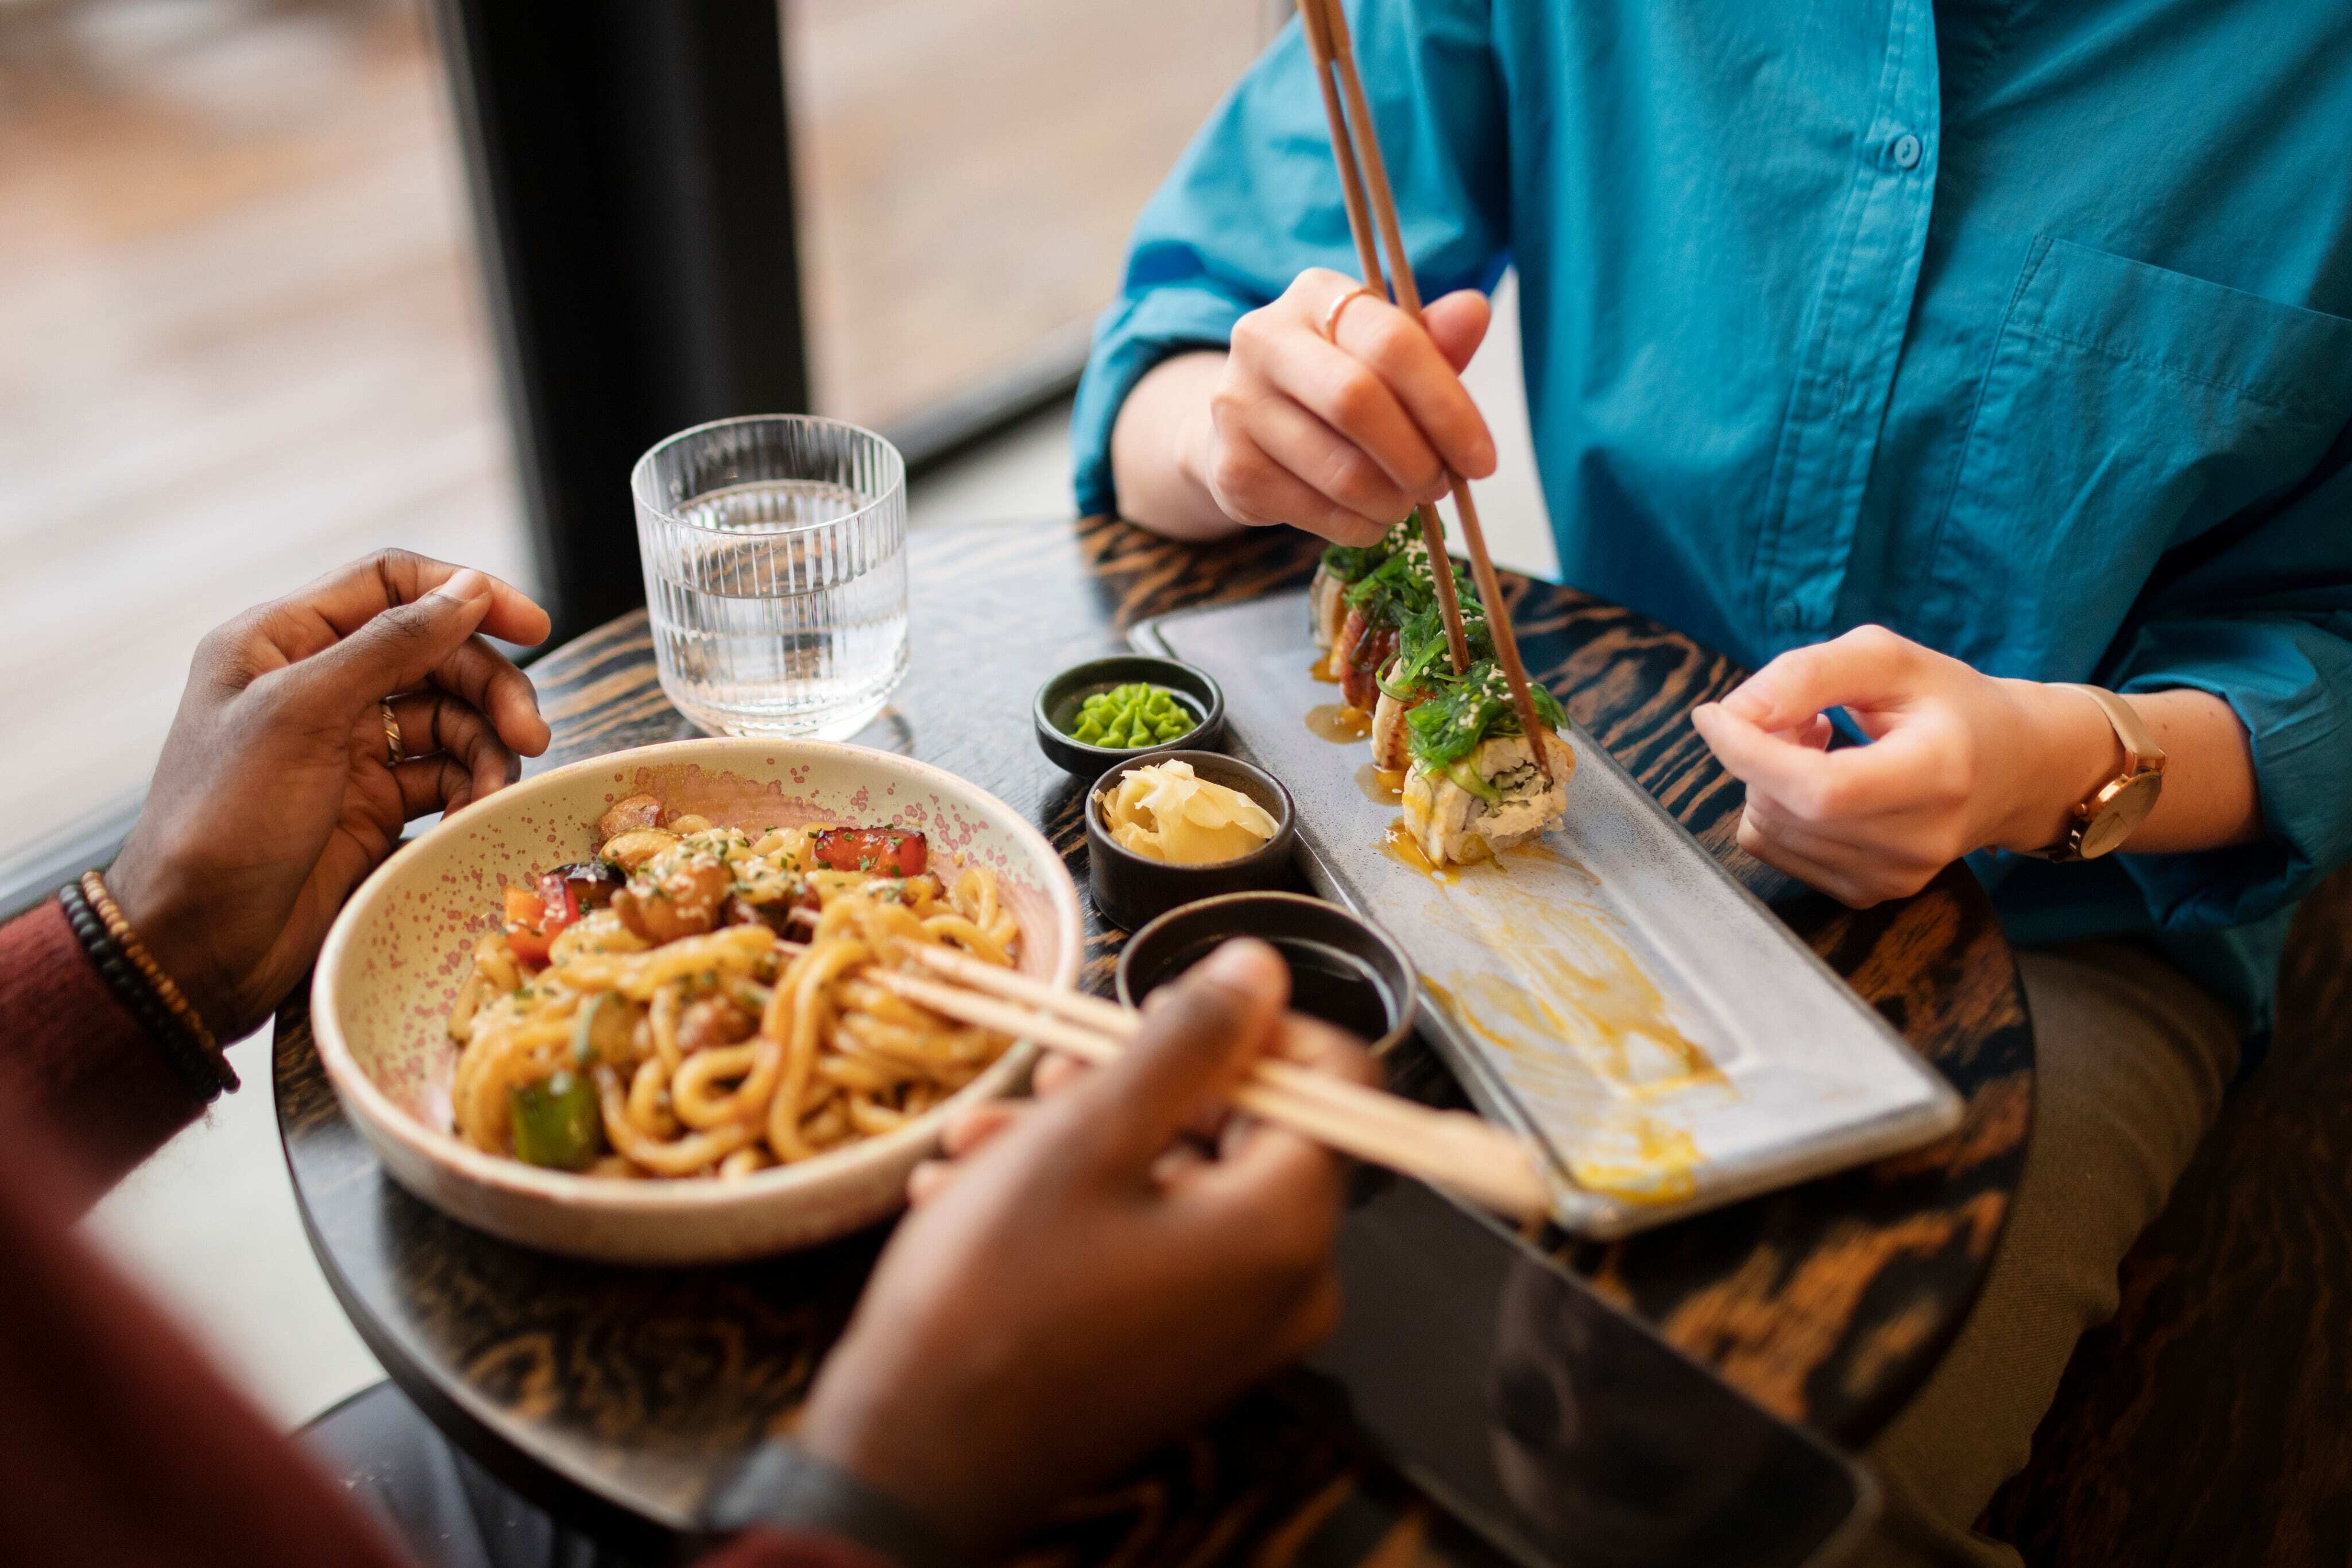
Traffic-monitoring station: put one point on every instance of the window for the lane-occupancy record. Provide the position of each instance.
(243, 344)
(968, 171)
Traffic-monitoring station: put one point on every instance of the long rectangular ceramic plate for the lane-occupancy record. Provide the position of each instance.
(1611, 990)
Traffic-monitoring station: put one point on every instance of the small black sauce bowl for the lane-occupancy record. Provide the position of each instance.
(1343, 969)
(1132, 888)
(1057, 703)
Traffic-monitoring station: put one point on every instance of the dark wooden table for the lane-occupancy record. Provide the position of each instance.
(612, 1392)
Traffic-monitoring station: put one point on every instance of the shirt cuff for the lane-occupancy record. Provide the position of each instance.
(783, 1485)
(1133, 336)
(2277, 676)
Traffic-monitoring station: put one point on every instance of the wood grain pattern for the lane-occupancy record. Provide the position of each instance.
(2205, 1427)
(1828, 1303)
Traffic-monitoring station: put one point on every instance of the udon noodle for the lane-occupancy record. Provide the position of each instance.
(695, 1001)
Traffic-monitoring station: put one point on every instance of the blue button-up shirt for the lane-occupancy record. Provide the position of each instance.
(2020, 329)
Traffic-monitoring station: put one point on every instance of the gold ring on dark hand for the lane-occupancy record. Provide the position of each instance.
(1331, 316)
(395, 750)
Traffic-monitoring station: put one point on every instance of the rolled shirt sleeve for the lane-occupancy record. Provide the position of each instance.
(2263, 620)
(2289, 681)
(1254, 200)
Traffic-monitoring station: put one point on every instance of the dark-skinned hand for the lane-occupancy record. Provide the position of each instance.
(1085, 1281)
(276, 793)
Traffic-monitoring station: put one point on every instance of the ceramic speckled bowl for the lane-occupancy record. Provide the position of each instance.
(392, 965)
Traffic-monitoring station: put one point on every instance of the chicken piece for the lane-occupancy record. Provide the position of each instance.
(685, 902)
(628, 816)
(715, 1020)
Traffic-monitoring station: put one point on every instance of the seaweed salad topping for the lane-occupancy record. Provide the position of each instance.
(1401, 587)
(1450, 725)
(1353, 563)
(1424, 653)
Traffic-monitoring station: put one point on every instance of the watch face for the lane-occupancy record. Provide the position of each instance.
(2122, 807)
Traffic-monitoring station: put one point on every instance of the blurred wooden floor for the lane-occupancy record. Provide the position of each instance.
(240, 338)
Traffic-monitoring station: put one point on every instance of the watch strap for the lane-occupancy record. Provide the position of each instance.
(779, 1483)
(2141, 753)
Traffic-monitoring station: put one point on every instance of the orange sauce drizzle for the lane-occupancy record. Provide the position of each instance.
(1398, 844)
(1567, 980)
(1381, 785)
(1337, 723)
(1664, 1167)
(1326, 667)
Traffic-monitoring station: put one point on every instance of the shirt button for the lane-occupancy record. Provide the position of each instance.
(1907, 151)
(1784, 613)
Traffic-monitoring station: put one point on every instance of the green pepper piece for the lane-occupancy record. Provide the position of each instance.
(556, 1123)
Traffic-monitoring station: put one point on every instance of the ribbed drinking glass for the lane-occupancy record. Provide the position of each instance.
(775, 557)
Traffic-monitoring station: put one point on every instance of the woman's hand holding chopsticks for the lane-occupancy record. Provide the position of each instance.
(1340, 434)
(1089, 1280)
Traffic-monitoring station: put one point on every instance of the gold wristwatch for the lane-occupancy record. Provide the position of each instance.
(2114, 811)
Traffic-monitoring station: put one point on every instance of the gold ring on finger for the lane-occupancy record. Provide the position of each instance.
(1338, 306)
(395, 749)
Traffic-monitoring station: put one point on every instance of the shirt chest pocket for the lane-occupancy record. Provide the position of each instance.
(2126, 409)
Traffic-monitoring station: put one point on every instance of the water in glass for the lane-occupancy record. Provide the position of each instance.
(773, 615)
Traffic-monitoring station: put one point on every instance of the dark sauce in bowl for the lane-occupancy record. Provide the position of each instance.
(1344, 969)
(1324, 983)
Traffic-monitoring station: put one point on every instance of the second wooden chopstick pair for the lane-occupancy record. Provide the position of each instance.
(1448, 1149)
(1371, 207)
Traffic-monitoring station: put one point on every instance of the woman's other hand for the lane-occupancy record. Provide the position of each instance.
(1341, 435)
(1088, 1281)
(276, 793)
(1958, 761)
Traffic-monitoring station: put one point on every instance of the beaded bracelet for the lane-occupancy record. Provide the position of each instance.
(206, 1073)
(93, 887)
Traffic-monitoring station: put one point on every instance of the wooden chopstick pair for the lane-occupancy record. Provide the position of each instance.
(1370, 203)
(1448, 1149)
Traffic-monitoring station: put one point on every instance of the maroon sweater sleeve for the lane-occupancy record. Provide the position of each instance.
(76, 1064)
(119, 1441)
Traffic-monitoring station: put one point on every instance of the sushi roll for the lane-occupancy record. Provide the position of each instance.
(1341, 568)
(1423, 656)
(1378, 609)
(1473, 787)
(1364, 646)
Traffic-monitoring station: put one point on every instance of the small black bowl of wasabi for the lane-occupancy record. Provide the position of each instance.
(1127, 705)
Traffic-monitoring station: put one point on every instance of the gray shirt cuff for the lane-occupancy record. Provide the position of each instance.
(780, 1484)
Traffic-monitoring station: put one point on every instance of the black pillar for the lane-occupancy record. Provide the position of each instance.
(631, 170)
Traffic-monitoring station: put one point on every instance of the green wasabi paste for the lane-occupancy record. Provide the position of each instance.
(1132, 716)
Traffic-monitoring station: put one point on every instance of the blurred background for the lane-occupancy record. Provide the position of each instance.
(244, 304)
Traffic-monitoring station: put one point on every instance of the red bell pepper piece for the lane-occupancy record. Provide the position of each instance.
(527, 933)
(886, 852)
(561, 901)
